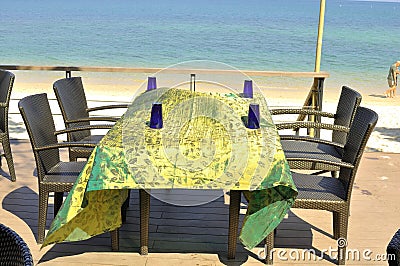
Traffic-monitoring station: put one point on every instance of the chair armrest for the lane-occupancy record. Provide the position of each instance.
(311, 139)
(93, 118)
(301, 111)
(66, 145)
(340, 164)
(104, 107)
(81, 128)
(309, 124)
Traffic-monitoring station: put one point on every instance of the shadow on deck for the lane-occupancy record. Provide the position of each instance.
(198, 235)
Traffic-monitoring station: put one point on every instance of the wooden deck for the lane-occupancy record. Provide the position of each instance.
(198, 235)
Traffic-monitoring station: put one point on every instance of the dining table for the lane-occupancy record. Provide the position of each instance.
(204, 144)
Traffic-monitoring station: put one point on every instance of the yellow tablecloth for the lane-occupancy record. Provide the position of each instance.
(204, 144)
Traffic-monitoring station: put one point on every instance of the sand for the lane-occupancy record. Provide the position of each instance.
(100, 90)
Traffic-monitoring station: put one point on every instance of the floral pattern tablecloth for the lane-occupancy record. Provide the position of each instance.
(204, 144)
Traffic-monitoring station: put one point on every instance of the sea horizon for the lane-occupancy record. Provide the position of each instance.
(358, 46)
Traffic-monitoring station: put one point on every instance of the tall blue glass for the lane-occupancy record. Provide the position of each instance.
(253, 118)
(156, 120)
(248, 89)
(151, 83)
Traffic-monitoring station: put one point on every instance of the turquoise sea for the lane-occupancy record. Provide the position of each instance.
(361, 38)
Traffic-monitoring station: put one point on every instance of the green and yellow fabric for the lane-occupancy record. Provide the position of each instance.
(204, 144)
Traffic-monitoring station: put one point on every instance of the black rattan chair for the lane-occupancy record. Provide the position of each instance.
(53, 174)
(393, 250)
(6, 85)
(333, 194)
(71, 98)
(13, 249)
(309, 153)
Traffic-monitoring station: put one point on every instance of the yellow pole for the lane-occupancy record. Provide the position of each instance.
(320, 33)
(318, 53)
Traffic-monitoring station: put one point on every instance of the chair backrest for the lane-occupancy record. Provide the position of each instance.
(361, 128)
(349, 100)
(393, 250)
(13, 249)
(38, 119)
(71, 98)
(6, 84)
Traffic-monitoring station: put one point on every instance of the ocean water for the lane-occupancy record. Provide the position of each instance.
(361, 38)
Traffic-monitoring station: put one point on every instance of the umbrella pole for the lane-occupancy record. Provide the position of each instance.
(316, 97)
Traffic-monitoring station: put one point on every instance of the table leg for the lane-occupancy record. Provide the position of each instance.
(234, 208)
(115, 240)
(58, 200)
(144, 221)
(269, 245)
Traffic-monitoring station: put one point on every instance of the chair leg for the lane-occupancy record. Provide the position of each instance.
(269, 246)
(234, 211)
(72, 156)
(43, 203)
(128, 198)
(115, 240)
(342, 220)
(336, 225)
(8, 155)
(144, 199)
(58, 200)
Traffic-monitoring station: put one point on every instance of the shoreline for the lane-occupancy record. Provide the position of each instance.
(385, 138)
(273, 94)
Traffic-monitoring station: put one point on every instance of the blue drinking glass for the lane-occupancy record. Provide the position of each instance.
(248, 89)
(156, 120)
(151, 83)
(253, 118)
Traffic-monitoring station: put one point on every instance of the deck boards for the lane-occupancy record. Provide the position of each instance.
(198, 235)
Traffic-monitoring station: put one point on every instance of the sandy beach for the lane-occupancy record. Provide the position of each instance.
(99, 90)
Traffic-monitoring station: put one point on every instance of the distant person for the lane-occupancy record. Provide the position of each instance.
(392, 79)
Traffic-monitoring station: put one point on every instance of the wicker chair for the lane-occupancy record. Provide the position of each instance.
(53, 174)
(333, 194)
(13, 249)
(6, 84)
(308, 153)
(71, 98)
(393, 250)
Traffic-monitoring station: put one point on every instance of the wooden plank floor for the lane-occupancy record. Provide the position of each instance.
(197, 235)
